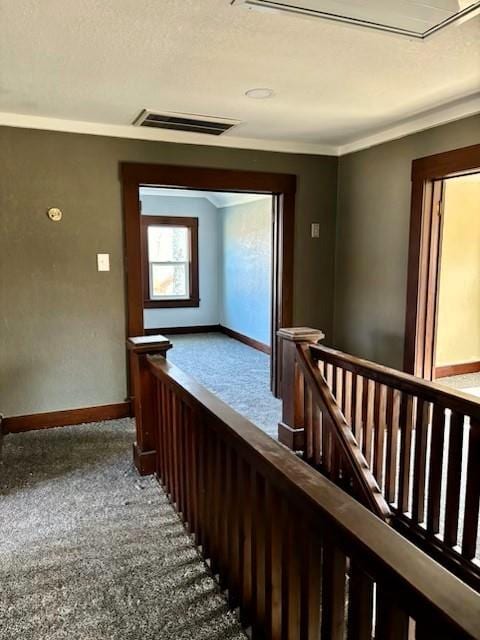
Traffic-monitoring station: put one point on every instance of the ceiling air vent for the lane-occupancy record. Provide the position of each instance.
(185, 122)
(412, 18)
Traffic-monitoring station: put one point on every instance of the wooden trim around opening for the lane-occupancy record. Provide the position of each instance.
(461, 369)
(251, 342)
(424, 252)
(32, 422)
(281, 187)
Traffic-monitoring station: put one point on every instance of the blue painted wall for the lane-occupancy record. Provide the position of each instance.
(245, 268)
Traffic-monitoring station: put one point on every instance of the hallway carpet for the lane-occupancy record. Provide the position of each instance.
(91, 551)
(236, 373)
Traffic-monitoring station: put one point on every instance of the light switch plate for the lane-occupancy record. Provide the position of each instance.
(103, 261)
(315, 229)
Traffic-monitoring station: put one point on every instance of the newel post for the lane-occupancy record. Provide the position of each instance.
(144, 448)
(291, 429)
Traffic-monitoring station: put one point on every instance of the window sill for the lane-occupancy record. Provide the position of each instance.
(171, 304)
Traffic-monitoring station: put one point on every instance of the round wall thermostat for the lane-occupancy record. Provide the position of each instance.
(54, 214)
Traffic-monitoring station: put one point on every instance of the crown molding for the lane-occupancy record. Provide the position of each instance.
(456, 110)
(163, 135)
(468, 106)
(234, 199)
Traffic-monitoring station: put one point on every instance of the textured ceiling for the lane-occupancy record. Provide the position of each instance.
(102, 62)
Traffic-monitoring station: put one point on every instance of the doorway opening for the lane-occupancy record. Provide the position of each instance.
(443, 312)
(457, 332)
(251, 290)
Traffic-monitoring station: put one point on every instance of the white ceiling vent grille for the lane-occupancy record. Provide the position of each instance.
(184, 122)
(413, 18)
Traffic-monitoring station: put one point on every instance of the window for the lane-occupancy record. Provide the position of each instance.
(170, 271)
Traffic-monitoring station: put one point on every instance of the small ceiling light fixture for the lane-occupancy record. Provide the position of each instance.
(260, 93)
(412, 18)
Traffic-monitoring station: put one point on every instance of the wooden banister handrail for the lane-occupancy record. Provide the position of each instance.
(369, 491)
(422, 442)
(243, 494)
(429, 391)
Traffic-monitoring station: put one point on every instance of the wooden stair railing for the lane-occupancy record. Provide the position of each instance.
(421, 442)
(352, 470)
(298, 557)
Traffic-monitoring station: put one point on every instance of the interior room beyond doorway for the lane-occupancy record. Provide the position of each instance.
(216, 268)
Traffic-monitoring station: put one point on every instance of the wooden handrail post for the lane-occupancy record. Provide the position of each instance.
(291, 428)
(144, 448)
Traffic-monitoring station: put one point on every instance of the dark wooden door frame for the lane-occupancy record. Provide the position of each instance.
(281, 186)
(424, 252)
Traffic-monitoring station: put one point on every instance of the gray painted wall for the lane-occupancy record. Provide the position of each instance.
(372, 239)
(62, 324)
(246, 269)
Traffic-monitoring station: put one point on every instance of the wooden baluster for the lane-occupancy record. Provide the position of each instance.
(335, 456)
(202, 493)
(333, 464)
(340, 396)
(232, 523)
(420, 460)
(380, 404)
(392, 620)
(326, 445)
(213, 515)
(188, 498)
(168, 449)
(311, 585)
(291, 585)
(317, 435)
(216, 488)
(171, 441)
(406, 419)
(275, 517)
(454, 477)
(176, 452)
(339, 387)
(347, 397)
(357, 412)
(329, 377)
(165, 436)
(368, 419)
(435, 470)
(181, 454)
(321, 367)
(246, 588)
(225, 506)
(258, 553)
(353, 404)
(160, 463)
(308, 453)
(393, 415)
(360, 604)
(333, 591)
(472, 496)
(194, 473)
(334, 381)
